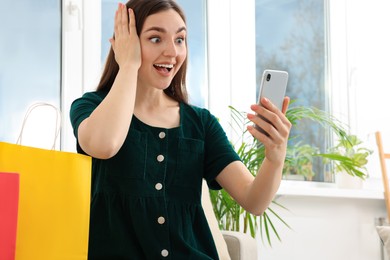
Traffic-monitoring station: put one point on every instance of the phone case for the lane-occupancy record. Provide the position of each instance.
(273, 86)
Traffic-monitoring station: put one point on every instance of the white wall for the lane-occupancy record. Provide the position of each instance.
(327, 228)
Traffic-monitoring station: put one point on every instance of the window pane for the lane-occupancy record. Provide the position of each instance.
(30, 64)
(290, 35)
(196, 22)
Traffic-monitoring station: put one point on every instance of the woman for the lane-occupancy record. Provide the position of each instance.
(151, 149)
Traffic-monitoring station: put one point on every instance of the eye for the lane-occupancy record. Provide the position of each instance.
(155, 39)
(180, 40)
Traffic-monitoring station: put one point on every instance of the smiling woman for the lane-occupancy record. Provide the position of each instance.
(197, 83)
(148, 142)
(151, 148)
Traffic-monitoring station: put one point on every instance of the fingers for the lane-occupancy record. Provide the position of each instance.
(265, 122)
(286, 102)
(268, 104)
(132, 24)
(271, 107)
(124, 25)
(121, 22)
(116, 22)
(124, 19)
(125, 43)
(270, 119)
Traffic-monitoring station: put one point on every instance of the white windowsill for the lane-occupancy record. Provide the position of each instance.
(327, 190)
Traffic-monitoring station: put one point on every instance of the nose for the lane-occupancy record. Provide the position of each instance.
(170, 49)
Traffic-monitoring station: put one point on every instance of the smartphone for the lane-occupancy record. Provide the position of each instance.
(273, 86)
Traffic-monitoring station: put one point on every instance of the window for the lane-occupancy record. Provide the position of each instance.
(195, 12)
(291, 35)
(30, 67)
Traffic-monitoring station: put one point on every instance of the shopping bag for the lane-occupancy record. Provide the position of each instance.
(54, 197)
(39, 128)
(54, 201)
(9, 199)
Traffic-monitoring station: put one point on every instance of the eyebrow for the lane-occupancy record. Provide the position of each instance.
(162, 30)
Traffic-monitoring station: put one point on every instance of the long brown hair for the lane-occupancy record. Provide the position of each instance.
(142, 9)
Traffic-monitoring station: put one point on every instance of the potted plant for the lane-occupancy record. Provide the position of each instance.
(347, 155)
(348, 158)
(299, 162)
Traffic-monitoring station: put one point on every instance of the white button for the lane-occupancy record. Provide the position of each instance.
(160, 158)
(164, 253)
(158, 186)
(161, 135)
(161, 220)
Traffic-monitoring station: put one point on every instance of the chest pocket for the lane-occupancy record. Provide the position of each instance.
(130, 161)
(189, 165)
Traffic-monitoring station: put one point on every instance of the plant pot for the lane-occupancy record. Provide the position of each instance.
(346, 181)
(293, 177)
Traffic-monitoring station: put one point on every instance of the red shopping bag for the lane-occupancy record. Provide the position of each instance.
(9, 200)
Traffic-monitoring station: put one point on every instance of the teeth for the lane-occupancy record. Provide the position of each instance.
(168, 66)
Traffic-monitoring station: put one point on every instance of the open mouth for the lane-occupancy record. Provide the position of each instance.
(166, 68)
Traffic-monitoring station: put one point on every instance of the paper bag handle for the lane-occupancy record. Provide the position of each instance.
(58, 121)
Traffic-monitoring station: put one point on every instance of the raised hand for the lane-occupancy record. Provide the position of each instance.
(125, 43)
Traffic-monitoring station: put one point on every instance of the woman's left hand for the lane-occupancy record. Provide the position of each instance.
(126, 44)
(278, 128)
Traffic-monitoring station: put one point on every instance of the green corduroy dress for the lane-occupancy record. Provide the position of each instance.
(146, 200)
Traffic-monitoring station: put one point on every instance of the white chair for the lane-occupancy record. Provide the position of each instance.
(230, 245)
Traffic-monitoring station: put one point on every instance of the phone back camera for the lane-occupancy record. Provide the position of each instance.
(268, 77)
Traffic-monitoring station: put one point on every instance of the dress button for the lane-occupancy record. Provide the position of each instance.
(161, 220)
(158, 186)
(160, 158)
(164, 253)
(161, 135)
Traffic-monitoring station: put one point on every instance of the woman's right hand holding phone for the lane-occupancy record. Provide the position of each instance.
(125, 42)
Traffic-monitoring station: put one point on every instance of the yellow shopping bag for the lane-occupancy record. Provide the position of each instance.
(54, 202)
